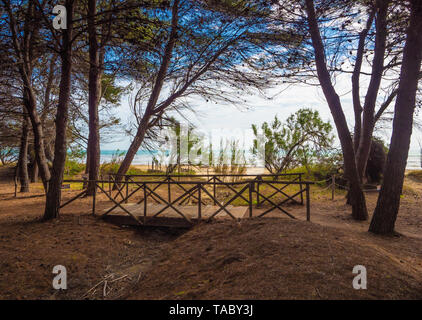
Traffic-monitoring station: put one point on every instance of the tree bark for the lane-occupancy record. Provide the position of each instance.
(357, 107)
(39, 143)
(388, 204)
(23, 52)
(23, 156)
(87, 162)
(94, 87)
(152, 102)
(34, 171)
(359, 210)
(368, 119)
(134, 147)
(60, 147)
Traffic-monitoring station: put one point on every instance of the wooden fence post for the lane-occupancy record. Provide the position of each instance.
(301, 194)
(94, 197)
(127, 187)
(199, 201)
(16, 186)
(250, 198)
(109, 184)
(308, 204)
(145, 202)
(168, 188)
(259, 178)
(214, 191)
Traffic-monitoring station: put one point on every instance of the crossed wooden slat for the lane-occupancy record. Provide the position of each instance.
(149, 194)
(187, 197)
(119, 188)
(279, 191)
(172, 203)
(223, 207)
(73, 199)
(233, 189)
(119, 204)
(278, 206)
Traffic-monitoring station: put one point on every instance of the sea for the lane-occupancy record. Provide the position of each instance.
(145, 157)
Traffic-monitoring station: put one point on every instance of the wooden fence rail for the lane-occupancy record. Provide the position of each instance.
(200, 191)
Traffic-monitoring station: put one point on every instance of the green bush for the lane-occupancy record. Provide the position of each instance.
(109, 168)
(320, 171)
(73, 167)
(113, 167)
(135, 171)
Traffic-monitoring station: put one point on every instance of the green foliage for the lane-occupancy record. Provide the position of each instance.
(134, 171)
(300, 140)
(231, 159)
(73, 167)
(76, 153)
(114, 164)
(112, 93)
(185, 145)
(322, 169)
(74, 161)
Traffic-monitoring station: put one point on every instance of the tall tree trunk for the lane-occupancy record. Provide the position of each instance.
(44, 114)
(23, 156)
(94, 87)
(39, 145)
(34, 171)
(152, 102)
(357, 107)
(24, 53)
(87, 162)
(388, 204)
(134, 147)
(52, 205)
(359, 211)
(368, 120)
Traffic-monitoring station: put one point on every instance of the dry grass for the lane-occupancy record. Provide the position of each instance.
(415, 174)
(267, 258)
(282, 259)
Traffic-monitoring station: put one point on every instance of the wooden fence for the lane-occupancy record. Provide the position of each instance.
(202, 190)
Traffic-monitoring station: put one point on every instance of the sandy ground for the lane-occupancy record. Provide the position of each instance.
(268, 258)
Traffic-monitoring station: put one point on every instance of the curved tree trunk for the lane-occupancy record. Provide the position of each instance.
(23, 51)
(39, 145)
(359, 211)
(133, 149)
(152, 102)
(368, 121)
(357, 107)
(388, 204)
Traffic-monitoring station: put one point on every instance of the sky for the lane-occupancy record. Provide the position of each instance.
(228, 121)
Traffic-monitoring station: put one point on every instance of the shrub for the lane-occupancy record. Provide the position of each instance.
(109, 168)
(135, 171)
(376, 161)
(73, 167)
